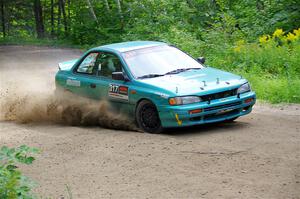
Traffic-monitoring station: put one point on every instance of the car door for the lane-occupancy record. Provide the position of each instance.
(86, 79)
(115, 91)
(94, 77)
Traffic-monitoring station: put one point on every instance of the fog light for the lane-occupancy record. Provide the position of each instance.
(248, 100)
(195, 111)
(246, 108)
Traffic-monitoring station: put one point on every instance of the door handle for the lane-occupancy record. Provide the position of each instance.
(93, 85)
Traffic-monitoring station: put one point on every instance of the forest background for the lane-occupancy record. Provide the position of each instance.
(259, 39)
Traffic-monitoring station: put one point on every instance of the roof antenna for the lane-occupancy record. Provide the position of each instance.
(218, 80)
(176, 89)
(204, 83)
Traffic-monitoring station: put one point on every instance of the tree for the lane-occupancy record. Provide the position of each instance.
(63, 10)
(38, 13)
(120, 13)
(69, 13)
(52, 17)
(79, 20)
(3, 18)
(106, 5)
(58, 17)
(92, 11)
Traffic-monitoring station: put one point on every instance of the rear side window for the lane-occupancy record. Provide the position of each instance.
(108, 63)
(88, 64)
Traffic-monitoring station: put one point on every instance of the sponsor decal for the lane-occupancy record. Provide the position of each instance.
(72, 82)
(118, 92)
(223, 111)
(179, 122)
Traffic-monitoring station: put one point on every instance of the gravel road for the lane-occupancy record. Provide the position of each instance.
(258, 156)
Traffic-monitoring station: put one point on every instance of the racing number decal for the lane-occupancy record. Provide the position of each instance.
(118, 92)
(113, 88)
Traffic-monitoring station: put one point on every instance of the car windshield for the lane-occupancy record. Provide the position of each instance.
(158, 61)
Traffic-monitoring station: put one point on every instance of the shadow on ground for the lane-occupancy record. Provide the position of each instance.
(206, 128)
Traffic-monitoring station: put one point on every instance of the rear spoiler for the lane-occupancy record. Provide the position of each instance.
(59, 66)
(67, 65)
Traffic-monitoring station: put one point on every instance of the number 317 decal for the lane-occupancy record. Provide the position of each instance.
(118, 92)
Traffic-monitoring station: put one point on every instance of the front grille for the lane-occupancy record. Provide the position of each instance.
(219, 95)
(215, 115)
(222, 106)
(222, 115)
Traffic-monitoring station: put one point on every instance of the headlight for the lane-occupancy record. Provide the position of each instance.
(184, 100)
(244, 88)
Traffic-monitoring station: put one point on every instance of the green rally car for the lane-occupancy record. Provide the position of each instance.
(157, 84)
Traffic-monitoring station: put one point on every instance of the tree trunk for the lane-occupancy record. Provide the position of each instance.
(38, 13)
(92, 10)
(69, 15)
(52, 17)
(120, 13)
(106, 6)
(63, 10)
(3, 19)
(58, 17)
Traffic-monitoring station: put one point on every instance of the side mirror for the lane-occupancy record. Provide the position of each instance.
(201, 60)
(119, 76)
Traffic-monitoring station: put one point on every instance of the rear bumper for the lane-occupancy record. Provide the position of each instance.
(218, 110)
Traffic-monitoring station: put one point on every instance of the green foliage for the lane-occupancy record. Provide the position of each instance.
(224, 31)
(271, 65)
(12, 183)
(275, 90)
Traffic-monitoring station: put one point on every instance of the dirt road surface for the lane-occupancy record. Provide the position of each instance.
(258, 156)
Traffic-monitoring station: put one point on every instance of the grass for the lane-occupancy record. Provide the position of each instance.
(275, 90)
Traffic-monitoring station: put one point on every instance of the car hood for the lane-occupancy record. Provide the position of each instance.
(67, 65)
(199, 82)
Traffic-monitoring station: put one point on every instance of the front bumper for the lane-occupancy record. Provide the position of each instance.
(216, 111)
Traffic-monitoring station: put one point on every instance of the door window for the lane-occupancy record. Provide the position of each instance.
(108, 63)
(88, 64)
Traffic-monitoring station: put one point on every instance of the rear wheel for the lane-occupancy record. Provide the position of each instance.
(147, 117)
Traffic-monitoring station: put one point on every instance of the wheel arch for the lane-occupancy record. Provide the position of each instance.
(141, 99)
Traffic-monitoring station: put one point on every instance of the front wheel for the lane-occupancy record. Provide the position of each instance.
(147, 117)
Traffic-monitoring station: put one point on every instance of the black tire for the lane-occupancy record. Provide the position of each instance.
(147, 117)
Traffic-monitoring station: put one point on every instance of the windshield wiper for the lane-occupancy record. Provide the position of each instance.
(168, 73)
(150, 76)
(179, 70)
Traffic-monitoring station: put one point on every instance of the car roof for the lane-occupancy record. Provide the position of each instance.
(131, 45)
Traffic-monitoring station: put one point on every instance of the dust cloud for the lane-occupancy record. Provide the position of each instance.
(32, 99)
(27, 94)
